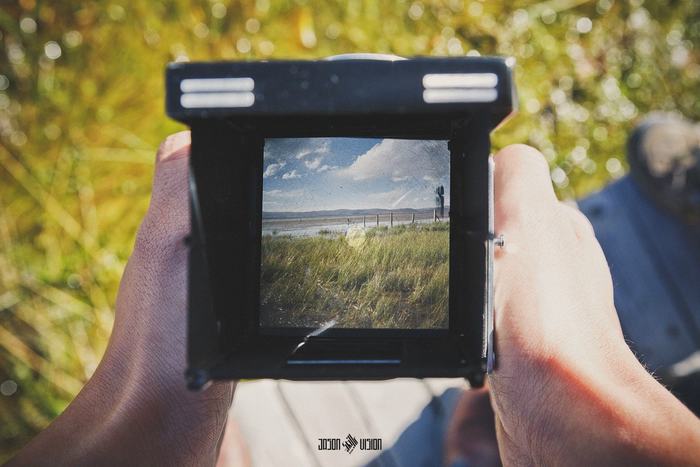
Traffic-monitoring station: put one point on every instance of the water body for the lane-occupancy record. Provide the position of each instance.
(335, 225)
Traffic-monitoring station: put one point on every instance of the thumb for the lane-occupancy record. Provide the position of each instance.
(523, 189)
(168, 219)
(155, 275)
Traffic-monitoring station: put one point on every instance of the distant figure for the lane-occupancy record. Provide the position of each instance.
(440, 200)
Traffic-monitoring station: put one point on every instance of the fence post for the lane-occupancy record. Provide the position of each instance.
(391, 219)
(413, 218)
(364, 221)
(377, 220)
(434, 215)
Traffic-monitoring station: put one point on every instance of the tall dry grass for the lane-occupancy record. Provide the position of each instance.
(379, 278)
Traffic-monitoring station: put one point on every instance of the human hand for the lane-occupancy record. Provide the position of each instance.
(151, 319)
(567, 389)
(136, 410)
(471, 434)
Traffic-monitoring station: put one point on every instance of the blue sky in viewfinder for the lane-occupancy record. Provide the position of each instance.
(316, 174)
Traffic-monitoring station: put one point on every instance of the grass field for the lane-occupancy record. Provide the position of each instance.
(378, 278)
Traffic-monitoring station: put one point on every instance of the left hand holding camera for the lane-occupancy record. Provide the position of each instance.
(136, 409)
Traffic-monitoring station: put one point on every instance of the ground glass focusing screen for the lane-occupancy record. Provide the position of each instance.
(341, 216)
(355, 233)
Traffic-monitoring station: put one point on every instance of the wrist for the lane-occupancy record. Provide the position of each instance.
(147, 407)
(656, 428)
(617, 412)
(154, 390)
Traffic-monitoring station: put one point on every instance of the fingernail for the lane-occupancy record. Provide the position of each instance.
(175, 146)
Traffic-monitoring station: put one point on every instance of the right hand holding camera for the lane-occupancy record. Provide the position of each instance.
(567, 389)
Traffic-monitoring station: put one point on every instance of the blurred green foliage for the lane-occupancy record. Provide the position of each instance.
(81, 113)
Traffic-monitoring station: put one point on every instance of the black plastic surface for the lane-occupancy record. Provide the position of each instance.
(340, 98)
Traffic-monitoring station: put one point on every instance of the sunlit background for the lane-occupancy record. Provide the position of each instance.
(81, 113)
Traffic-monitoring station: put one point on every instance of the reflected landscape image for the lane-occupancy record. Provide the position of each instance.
(355, 232)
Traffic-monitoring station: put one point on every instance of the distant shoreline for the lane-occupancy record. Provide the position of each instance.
(340, 213)
(311, 226)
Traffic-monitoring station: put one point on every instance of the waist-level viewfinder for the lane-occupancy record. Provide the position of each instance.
(342, 216)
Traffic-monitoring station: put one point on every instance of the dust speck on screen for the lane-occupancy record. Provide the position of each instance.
(355, 231)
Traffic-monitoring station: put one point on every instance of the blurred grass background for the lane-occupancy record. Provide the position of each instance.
(81, 114)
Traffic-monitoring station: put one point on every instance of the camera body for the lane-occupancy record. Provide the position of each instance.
(248, 116)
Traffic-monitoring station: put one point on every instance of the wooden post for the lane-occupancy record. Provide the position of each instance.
(391, 219)
(377, 220)
(413, 218)
(434, 215)
(364, 221)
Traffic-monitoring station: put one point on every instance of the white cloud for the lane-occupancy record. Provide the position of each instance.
(313, 164)
(291, 175)
(401, 160)
(326, 167)
(273, 169)
(315, 146)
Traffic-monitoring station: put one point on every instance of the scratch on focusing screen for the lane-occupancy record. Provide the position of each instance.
(401, 198)
(316, 332)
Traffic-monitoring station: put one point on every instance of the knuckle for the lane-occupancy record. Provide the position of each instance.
(581, 225)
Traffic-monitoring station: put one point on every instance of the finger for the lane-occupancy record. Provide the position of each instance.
(171, 171)
(159, 253)
(173, 147)
(522, 187)
(524, 198)
(167, 220)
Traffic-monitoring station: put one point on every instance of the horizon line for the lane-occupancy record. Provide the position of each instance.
(353, 209)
